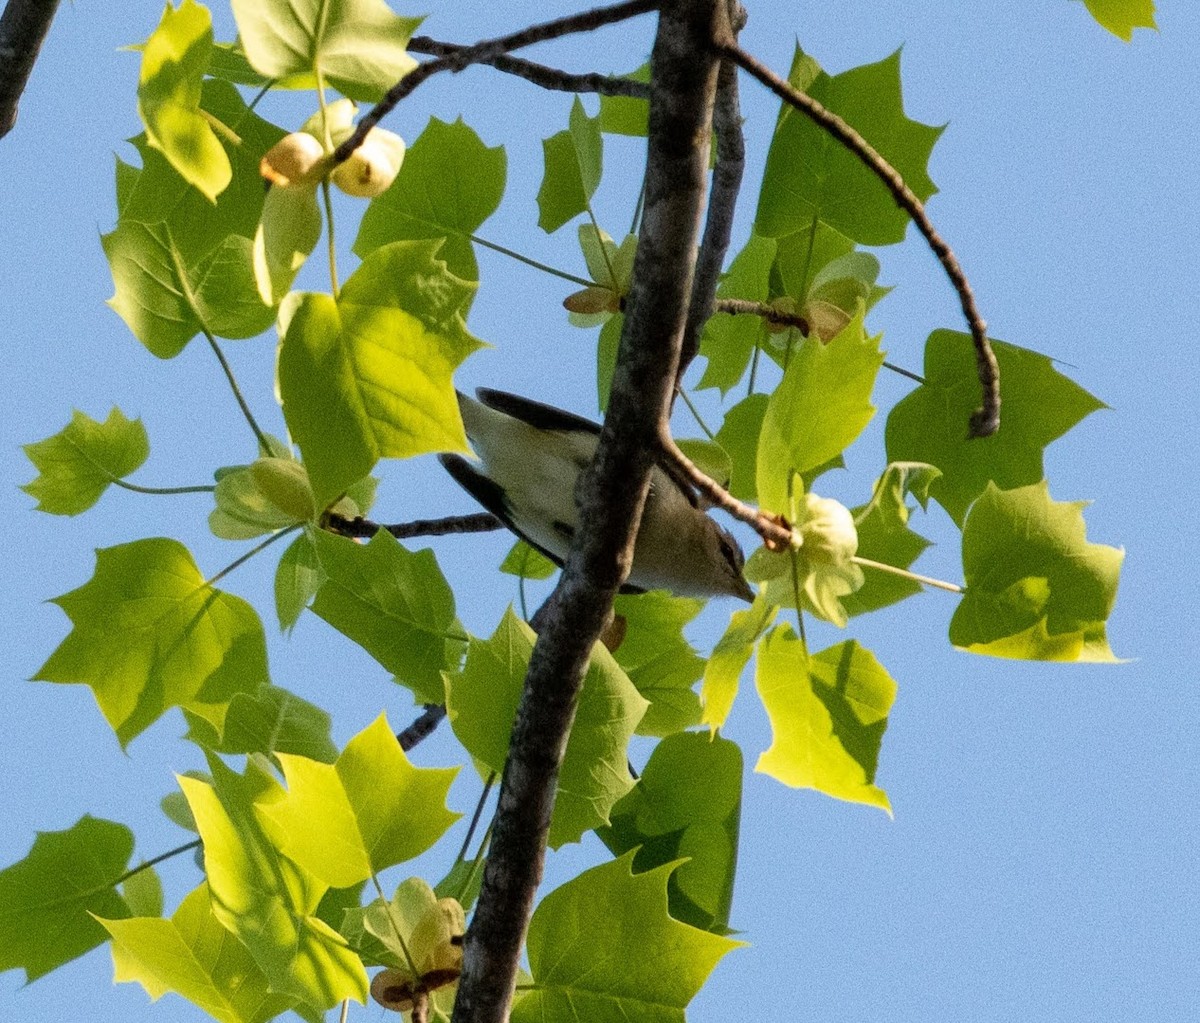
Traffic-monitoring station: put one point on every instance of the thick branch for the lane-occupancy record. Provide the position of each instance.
(482, 522)
(422, 726)
(540, 74)
(611, 495)
(485, 51)
(986, 420)
(23, 28)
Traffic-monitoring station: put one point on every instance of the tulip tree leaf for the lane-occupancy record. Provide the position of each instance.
(77, 464)
(828, 714)
(174, 60)
(687, 804)
(659, 660)
(297, 580)
(527, 562)
(821, 405)
(48, 898)
(368, 376)
(738, 436)
(272, 720)
(370, 810)
(359, 46)
(1036, 588)
(286, 236)
(574, 163)
(1121, 17)
(810, 175)
(192, 955)
(603, 946)
(449, 184)
(731, 654)
(884, 535)
(393, 603)
(150, 634)
(482, 702)
(263, 898)
(730, 339)
(930, 424)
(626, 115)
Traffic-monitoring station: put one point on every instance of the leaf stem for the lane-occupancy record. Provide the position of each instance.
(696, 414)
(257, 549)
(487, 788)
(117, 481)
(479, 857)
(325, 192)
(904, 573)
(904, 372)
(186, 847)
(583, 281)
(263, 444)
(387, 908)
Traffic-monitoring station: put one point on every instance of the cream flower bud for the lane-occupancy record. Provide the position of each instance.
(373, 166)
(293, 160)
(827, 530)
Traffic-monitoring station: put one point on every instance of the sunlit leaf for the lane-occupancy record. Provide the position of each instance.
(729, 657)
(78, 463)
(272, 720)
(828, 714)
(574, 163)
(48, 898)
(1121, 17)
(1036, 588)
(526, 562)
(148, 633)
(297, 579)
(930, 424)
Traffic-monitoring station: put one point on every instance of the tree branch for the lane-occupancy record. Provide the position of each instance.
(540, 74)
(361, 528)
(422, 726)
(611, 494)
(23, 28)
(486, 50)
(722, 202)
(986, 420)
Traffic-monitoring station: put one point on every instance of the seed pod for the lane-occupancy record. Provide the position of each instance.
(372, 167)
(295, 159)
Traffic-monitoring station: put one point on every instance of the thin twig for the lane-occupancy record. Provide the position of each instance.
(422, 726)
(986, 420)
(486, 50)
(196, 843)
(540, 74)
(23, 28)
(364, 529)
(487, 788)
(768, 312)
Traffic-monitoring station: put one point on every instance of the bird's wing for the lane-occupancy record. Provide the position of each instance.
(537, 415)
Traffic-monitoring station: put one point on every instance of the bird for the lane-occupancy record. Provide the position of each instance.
(529, 457)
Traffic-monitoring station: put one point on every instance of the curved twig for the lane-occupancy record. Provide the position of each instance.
(986, 420)
(361, 528)
(486, 50)
(539, 74)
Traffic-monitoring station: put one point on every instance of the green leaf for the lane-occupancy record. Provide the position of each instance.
(272, 720)
(659, 661)
(143, 893)
(263, 898)
(393, 603)
(626, 115)
(369, 376)
(150, 634)
(194, 956)
(526, 562)
(448, 185)
(175, 806)
(811, 176)
(286, 236)
(359, 46)
(574, 162)
(174, 60)
(604, 946)
(828, 714)
(178, 262)
(708, 456)
(77, 464)
(884, 536)
(802, 255)
(370, 810)
(606, 356)
(297, 580)
(738, 437)
(729, 340)
(48, 898)
(243, 511)
(818, 409)
(686, 805)
(482, 701)
(729, 657)
(930, 424)
(1036, 589)
(1121, 17)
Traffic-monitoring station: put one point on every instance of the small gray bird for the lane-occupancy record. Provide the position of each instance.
(530, 456)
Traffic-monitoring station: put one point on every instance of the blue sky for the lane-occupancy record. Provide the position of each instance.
(1042, 863)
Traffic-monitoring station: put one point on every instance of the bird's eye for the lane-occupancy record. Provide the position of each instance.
(732, 552)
